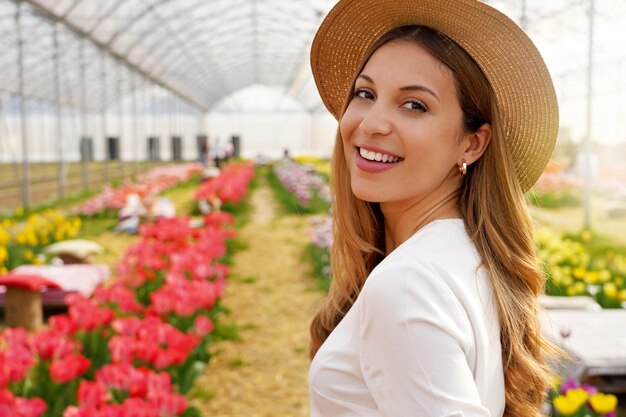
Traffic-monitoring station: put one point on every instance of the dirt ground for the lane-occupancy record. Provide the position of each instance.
(272, 301)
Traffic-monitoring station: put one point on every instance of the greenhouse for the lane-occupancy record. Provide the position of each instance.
(172, 197)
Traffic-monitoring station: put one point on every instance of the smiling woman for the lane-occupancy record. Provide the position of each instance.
(413, 116)
(433, 306)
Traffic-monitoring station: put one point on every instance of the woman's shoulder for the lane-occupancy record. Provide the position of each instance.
(439, 258)
(438, 244)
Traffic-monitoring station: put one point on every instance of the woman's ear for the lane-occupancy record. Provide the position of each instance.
(475, 143)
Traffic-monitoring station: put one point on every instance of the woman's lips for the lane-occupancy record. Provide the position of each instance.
(372, 166)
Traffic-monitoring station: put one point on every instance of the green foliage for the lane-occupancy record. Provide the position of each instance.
(595, 243)
(92, 227)
(192, 412)
(320, 261)
(225, 331)
(237, 363)
(568, 197)
(233, 246)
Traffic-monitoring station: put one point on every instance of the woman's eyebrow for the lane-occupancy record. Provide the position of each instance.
(419, 88)
(405, 88)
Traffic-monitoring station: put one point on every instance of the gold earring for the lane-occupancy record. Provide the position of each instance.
(463, 168)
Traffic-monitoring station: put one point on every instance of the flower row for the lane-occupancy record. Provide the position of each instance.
(147, 186)
(307, 186)
(230, 186)
(570, 269)
(136, 346)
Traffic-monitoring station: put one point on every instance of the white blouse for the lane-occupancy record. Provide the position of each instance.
(421, 340)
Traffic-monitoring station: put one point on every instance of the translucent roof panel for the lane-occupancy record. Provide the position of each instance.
(205, 50)
(202, 49)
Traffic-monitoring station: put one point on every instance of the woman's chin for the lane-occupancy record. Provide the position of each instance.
(366, 194)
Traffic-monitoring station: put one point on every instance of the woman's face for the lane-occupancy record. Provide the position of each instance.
(402, 129)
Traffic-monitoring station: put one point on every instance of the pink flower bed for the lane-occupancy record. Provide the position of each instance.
(555, 182)
(148, 185)
(136, 346)
(230, 186)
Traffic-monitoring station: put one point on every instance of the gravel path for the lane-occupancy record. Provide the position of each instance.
(272, 300)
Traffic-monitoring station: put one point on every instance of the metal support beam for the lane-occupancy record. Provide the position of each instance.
(83, 117)
(57, 100)
(23, 119)
(120, 119)
(135, 139)
(154, 124)
(171, 119)
(50, 15)
(103, 113)
(588, 148)
(523, 22)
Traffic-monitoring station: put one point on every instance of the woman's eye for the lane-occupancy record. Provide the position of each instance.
(415, 106)
(363, 94)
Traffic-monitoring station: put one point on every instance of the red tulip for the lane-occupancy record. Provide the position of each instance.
(203, 325)
(14, 364)
(86, 314)
(49, 343)
(68, 368)
(61, 323)
(11, 406)
(92, 393)
(168, 404)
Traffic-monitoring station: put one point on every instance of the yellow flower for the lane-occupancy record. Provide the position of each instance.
(5, 236)
(603, 403)
(19, 211)
(31, 238)
(579, 288)
(579, 273)
(586, 235)
(604, 275)
(3, 270)
(555, 382)
(4, 254)
(610, 290)
(622, 295)
(592, 277)
(571, 402)
(28, 254)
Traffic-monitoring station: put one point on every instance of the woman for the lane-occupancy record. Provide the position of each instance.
(444, 122)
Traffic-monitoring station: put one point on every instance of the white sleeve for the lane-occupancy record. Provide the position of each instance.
(413, 338)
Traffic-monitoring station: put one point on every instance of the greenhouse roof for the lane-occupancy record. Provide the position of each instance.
(206, 50)
(202, 50)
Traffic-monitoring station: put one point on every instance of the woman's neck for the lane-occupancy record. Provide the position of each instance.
(403, 219)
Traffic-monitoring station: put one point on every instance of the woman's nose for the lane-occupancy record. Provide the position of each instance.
(376, 120)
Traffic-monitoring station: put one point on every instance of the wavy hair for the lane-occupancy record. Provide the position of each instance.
(494, 210)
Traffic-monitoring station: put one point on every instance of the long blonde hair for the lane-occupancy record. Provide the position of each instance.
(496, 218)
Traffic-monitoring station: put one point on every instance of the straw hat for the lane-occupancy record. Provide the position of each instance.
(511, 62)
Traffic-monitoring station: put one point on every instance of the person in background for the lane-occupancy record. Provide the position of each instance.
(218, 153)
(447, 116)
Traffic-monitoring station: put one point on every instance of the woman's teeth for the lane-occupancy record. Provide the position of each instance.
(377, 156)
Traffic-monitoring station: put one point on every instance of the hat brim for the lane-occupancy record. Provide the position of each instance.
(514, 67)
